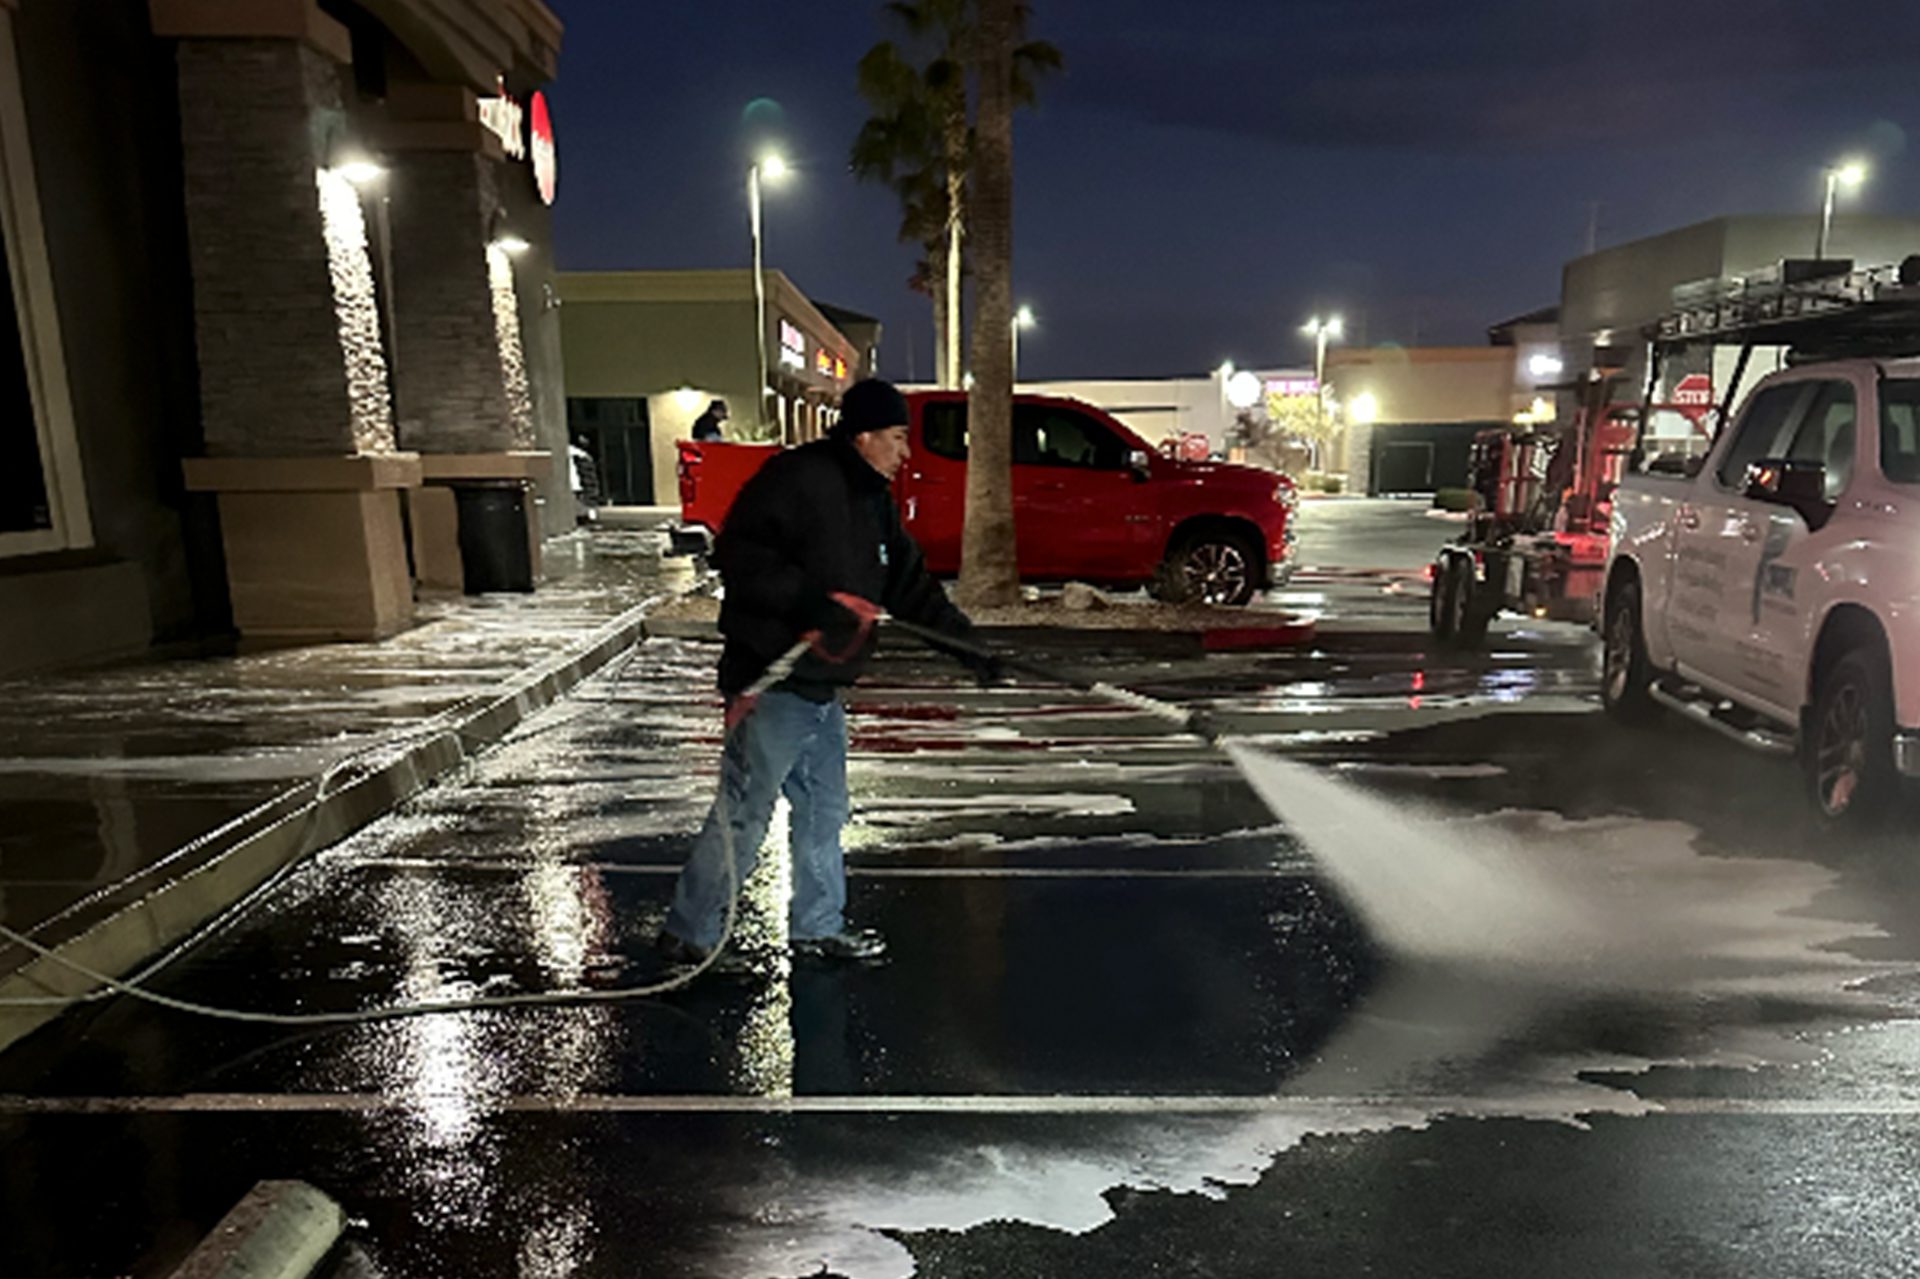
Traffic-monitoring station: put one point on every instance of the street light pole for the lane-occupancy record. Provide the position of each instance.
(1850, 175)
(759, 298)
(1321, 331)
(1022, 319)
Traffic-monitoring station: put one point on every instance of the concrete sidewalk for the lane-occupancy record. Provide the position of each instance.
(140, 800)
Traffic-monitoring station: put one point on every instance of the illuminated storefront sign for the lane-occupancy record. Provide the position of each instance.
(1293, 386)
(793, 346)
(505, 119)
(546, 157)
(502, 117)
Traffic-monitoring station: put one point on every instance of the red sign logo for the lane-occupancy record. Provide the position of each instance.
(1693, 395)
(546, 160)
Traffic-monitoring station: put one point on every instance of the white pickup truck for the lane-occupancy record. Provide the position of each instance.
(1772, 589)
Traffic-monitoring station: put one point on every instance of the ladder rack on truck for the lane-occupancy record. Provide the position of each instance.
(1816, 310)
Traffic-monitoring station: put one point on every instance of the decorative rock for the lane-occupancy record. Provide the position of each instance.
(1078, 597)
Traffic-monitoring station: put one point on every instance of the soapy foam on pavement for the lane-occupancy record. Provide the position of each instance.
(1583, 905)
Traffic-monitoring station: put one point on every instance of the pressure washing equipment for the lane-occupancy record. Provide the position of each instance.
(1195, 723)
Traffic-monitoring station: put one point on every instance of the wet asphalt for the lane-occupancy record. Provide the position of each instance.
(1129, 1024)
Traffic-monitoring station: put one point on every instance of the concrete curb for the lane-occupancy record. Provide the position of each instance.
(122, 935)
(280, 1230)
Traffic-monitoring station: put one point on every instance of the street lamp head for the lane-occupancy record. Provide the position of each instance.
(1024, 317)
(1334, 328)
(1312, 327)
(360, 172)
(1851, 174)
(773, 166)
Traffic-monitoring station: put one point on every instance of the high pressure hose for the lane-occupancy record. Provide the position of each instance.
(740, 710)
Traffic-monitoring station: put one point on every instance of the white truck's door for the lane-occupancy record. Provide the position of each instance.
(1721, 538)
(1774, 667)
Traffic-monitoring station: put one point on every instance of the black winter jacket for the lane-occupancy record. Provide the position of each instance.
(816, 519)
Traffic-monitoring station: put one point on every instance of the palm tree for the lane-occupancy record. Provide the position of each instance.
(989, 570)
(919, 141)
(901, 146)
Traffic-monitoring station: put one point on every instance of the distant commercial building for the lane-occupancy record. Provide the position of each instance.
(278, 273)
(647, 351)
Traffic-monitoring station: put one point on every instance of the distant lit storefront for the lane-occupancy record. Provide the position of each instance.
(647, 352)
(282, 301)
(1409, 414)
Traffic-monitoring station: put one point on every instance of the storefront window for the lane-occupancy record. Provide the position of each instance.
(23, 481)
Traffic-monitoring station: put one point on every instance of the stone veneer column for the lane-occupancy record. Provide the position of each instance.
(460, 370)
(293, 379)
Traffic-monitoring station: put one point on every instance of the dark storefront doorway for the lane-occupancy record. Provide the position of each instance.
(616, 432)
(1421, 457)
(1404, 467)
(23, 481)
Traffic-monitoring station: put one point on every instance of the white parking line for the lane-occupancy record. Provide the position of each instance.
(872, 872)
(1551, 1105)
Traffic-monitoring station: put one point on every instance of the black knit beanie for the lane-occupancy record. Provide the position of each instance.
(872, 405)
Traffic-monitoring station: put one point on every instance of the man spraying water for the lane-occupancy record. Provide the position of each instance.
(812, 546)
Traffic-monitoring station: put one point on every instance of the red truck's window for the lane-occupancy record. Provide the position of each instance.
(943, 428)
(1044, 435)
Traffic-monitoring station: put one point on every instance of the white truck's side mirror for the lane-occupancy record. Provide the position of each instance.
(1789, 482)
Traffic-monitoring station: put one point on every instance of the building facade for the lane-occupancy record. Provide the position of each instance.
(280, 274)
(647, 352)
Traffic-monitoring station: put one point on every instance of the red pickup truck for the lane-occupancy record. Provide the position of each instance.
(1091, 501)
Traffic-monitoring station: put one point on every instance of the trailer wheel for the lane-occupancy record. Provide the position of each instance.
(1625, 675)
(1848, 752)
(1440, 601)
(1467, 612)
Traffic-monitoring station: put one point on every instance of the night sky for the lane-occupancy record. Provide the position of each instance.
(1208, 173)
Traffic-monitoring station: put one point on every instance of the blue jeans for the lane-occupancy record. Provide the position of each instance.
(786, 745)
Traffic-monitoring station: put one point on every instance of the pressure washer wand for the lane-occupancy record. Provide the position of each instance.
(1198, 723)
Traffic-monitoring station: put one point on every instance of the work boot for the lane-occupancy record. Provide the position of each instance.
(679, 952)
(848, 943)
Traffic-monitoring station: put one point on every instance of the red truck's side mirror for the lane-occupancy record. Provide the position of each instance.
(1140, 462)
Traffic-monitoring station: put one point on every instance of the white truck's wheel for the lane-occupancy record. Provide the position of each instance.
(1849, 749)
(1625, 675)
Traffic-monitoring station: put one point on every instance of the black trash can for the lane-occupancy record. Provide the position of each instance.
(494, 554)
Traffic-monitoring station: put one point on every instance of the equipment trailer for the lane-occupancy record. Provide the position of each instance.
(1537, 531)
